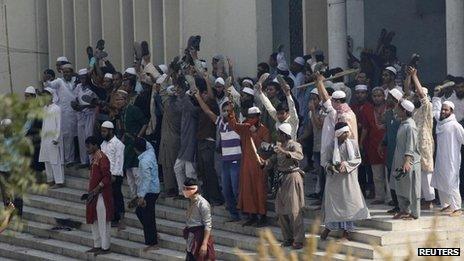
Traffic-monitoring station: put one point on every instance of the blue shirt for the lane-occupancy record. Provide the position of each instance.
(148, 181)
(5, 166)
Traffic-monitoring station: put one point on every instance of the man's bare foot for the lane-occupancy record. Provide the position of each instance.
(445, 209)
(149, 248)
(456, 213)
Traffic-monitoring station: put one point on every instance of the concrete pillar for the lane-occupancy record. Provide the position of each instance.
(336, 24)
(355, 24)
(455, 37)
(95, 21)
(55, 31)
(127, 30)
(41, 37)
(111, 31)
(171, 29)
(264, 43)
(315, 25)
(81, 32)
(141, 13)
(156, 31)
(68, 29)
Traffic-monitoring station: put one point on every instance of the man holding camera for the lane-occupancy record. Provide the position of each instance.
(290, 194)
(406, 168)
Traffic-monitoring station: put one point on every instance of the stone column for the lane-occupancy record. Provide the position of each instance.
(455, 37)
(315, 25)
(336, 24)
(68, 29)
(156, 31)
(55, 31)
(81, 32)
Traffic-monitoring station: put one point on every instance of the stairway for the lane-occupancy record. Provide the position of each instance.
(36, 240)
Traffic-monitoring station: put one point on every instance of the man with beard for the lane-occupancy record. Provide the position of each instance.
(170, 140)
(371, 138)
(65, 92)
(457, 97)
(388, 79)
(338, 112)
(252, 187)
(406, 164)
(296, 71)
(391, 125)
(423, 116)
(222, 87)
(113, 148)
(450, 138)
(85, 114)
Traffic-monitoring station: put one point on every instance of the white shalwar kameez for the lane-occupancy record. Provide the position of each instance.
(51, 154)
(85, 121)
(65, 91)
(450, 138)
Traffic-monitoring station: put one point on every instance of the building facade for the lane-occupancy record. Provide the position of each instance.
(36, 32)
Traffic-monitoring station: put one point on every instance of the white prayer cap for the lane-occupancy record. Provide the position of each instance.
(396, 94)
(248, 91)
(30, 90)
(220, 81)
(254, 110)
(247, 81)
(170, 89)
(407, 105)
(163, 68)
(122, 92)
(282, 67)
(204, 65)
(62, 59)
(391, 69)
(286, 128)
(131, 70)
(449, 104)
(299, 60)
(161, 79)
(5, 122)
(338, 95)
(108, 125)
(83, 72)
(275, 80)
(360, 87)
(314, 91)
(109, 76)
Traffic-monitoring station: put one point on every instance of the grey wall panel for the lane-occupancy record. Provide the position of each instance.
(55, 30)
(156, 31)
(81, 32)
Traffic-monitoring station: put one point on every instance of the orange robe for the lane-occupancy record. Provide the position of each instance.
(252, 195)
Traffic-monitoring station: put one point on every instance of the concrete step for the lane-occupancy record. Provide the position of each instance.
(83, 174)
(173, 214)
(60, 247)
(14, 252)
(171, 240)
(84, 238)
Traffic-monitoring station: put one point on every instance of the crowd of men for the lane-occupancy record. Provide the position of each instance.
(285, 133)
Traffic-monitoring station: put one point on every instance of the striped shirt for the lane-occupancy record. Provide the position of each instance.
(230, 141)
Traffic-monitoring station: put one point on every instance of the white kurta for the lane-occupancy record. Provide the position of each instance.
(65, 92)
(343, 199)
(85, 121)
(450, 137)
(51, 131)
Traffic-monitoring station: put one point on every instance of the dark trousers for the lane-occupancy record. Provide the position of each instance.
(365, 178)
(207, 172)
(118, 198)
(392, 191)
(146, 216)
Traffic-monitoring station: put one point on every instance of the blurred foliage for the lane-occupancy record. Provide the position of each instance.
(16, 151)
(270, 249)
